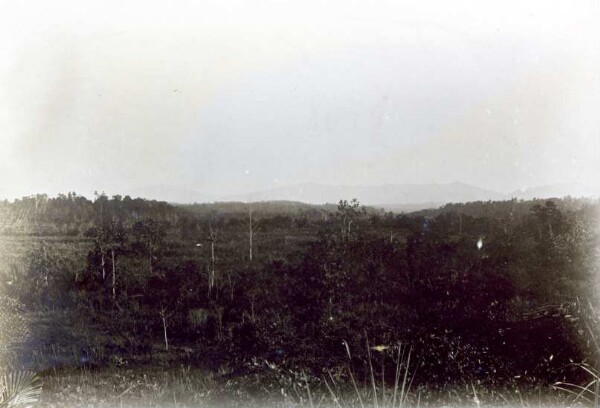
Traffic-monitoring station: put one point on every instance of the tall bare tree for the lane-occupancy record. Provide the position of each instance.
(212, 238)
(252, 231)
(109, 239)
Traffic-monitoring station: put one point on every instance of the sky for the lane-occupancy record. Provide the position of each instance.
(226, 97)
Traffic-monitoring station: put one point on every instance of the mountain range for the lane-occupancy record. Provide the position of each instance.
(314, 193)
(390, 196)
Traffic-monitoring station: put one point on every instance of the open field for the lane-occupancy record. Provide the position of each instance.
(136, 303)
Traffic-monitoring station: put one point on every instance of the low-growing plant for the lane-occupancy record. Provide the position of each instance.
(587, 392)
(19, 389)
(374, 391)
(590, 391)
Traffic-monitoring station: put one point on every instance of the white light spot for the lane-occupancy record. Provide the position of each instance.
(246, 172)
(479, 243)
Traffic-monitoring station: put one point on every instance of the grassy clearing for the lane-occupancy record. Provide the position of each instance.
(189, 387)
(148, 387)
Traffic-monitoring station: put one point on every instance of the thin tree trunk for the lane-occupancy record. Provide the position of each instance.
(103, 266)
(114, 276)
(209, 286)
(212, 266)
(250, 235)
(230, 286)
(212, 254)
(164, 322)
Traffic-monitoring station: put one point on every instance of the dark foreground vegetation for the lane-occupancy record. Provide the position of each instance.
(482, 295)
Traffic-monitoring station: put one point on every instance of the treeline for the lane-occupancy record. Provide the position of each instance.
(489, 292)
(71, 214)
(514, 208)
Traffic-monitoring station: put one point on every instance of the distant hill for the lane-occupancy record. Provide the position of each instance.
(392, 197)
(262, 207)
(386, 195)
(555, 191)
(170, 194)
(410, 208)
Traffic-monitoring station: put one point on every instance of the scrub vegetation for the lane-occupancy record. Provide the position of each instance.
(120, 300)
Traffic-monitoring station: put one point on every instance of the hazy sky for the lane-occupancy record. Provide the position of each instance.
(230, 96)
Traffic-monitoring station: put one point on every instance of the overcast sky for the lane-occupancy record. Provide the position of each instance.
(226, 96)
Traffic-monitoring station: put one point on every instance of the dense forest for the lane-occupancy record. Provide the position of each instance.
(494, 293)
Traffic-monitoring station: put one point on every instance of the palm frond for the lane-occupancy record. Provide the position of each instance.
(19, 389)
